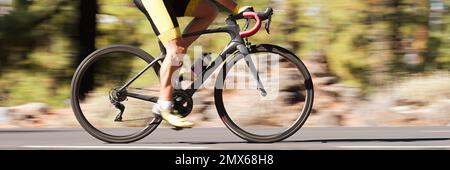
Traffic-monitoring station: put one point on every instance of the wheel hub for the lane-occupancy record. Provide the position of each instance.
(117, 96)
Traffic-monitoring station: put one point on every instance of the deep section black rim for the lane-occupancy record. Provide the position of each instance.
(266, 48)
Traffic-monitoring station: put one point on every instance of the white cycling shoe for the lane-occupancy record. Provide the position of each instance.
(172, 117)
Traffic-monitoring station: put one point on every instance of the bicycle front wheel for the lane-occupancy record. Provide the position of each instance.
(264, 117)
(94, 84)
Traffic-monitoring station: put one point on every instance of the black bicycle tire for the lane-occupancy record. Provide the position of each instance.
(267, 138)
(84, 65)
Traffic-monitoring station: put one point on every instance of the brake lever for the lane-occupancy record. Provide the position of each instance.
(267, 26)
(247, 24)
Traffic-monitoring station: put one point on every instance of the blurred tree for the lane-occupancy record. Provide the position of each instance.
(394, 39)
(439, 30)
(291, 25)
(87, 31)
(34, 24)
(19, 34)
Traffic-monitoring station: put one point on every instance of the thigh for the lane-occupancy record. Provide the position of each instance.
(182, 7)
(162, 16)
(203, 8)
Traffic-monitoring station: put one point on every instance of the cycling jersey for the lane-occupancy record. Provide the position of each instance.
(162, 15)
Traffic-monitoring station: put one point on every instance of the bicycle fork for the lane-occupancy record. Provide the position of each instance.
(255, 74)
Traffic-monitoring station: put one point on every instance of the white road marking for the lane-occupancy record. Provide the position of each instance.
(393, 147)
(118, 147)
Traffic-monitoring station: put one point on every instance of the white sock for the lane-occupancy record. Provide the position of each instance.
(164, 104)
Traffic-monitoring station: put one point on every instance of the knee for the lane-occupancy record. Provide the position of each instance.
(176, 50)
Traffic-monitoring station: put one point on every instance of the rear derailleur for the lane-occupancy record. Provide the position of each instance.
(115, 97)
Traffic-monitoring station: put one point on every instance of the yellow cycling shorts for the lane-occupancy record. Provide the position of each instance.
(162, 15)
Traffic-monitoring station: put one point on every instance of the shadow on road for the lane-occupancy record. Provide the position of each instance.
(315, 141)
(18, 131)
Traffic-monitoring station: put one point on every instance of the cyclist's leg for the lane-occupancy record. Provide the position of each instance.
(204, 13)
(172, 62)
(162, 17)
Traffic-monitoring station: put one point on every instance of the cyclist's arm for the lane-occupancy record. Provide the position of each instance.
(230, 5)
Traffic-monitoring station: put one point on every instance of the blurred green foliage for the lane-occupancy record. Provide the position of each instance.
(367, 43)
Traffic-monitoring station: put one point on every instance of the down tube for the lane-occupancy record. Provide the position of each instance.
(230, 49)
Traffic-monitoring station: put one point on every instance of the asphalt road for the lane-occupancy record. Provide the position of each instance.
(329, 138)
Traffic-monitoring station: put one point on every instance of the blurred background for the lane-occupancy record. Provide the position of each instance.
(374, 62)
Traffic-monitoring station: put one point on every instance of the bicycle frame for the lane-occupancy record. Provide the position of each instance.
(237, 43)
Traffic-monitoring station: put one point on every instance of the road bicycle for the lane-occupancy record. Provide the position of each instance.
(122, 76)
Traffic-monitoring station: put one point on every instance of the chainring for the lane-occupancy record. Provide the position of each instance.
(182, 102)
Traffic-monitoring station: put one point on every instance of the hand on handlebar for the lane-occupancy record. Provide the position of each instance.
(262, 15)
(242, 9)
(258, 16)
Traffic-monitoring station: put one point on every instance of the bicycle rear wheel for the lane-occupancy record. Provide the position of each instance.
(93, 85)
(256, 117)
